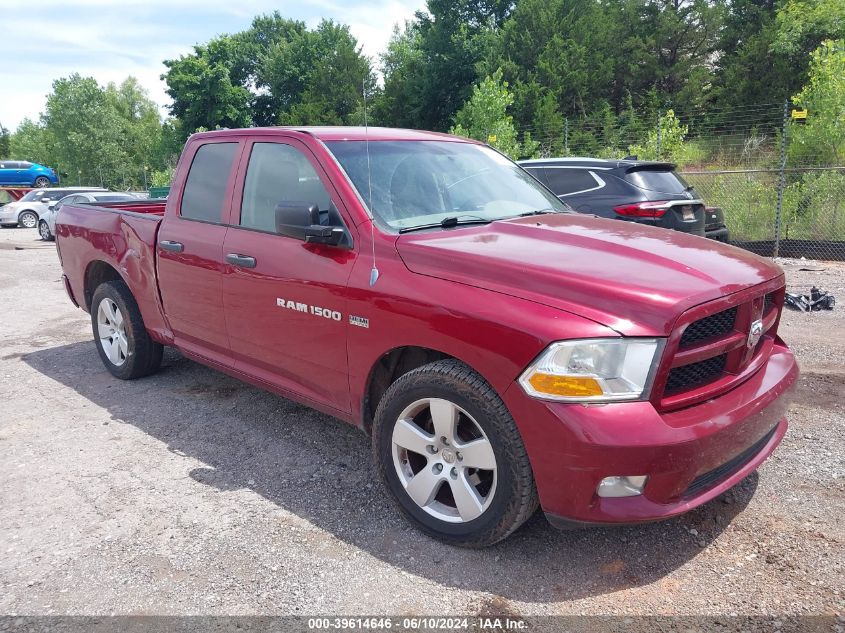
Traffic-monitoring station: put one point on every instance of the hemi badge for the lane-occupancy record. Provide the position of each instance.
(359, 321)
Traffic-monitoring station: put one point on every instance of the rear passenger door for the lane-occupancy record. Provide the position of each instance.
(285, 299)
(190, 251)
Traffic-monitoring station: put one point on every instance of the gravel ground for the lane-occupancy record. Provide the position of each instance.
(191, 493)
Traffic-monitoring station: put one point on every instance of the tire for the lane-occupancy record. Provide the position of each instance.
(495, 501)
(44, 231)
(118, 327)
(28, 219)
(41, 182)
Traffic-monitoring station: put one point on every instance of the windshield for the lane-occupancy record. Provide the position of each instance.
(416, 183)
(33, 195)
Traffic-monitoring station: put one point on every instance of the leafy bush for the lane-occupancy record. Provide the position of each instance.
(484, 117)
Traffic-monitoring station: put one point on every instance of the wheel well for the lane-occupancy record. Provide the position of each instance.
(98, 272)
(387, 369)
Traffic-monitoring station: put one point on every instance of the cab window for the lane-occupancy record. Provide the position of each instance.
(280, 173)
(206, 183)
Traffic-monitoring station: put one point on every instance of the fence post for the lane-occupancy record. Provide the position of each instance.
(782, 180)
(566, 135)
(659, 136)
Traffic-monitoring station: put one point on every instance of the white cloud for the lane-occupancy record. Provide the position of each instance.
(110, 41)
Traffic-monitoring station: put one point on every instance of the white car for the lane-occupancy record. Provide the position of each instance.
(47, 221)
(26, 211)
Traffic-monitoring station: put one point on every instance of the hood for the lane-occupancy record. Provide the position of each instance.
(635, 279)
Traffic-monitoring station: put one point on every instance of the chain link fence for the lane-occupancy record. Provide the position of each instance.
(781, 196)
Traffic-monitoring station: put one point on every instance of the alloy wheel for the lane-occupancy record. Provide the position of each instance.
(444, 460)
(111, 331)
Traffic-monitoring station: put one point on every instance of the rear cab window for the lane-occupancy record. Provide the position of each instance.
(205, 187)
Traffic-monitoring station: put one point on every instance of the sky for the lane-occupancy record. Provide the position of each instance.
(112, 39)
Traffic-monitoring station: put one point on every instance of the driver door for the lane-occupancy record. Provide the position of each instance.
(284, 299)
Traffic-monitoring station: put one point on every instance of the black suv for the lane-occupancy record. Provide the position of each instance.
(637, 191)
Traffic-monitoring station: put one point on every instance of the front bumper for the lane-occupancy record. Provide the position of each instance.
(690, 455)
(8, 216)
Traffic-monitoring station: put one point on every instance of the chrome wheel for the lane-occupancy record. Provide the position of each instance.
(44, 231)
(111, 332)
(444, 460)
(28, 220)
(41, 182)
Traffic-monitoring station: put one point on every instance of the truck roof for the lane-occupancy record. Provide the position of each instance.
(599, 163)
(346, 133)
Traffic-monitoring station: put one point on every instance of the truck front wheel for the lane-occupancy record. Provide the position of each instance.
(124, 345)
(449, 452)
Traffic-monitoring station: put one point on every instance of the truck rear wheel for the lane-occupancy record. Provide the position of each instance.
(449, 452)
(124, 345)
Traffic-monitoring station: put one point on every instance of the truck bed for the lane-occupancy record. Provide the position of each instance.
(121, 235)
(144, 207)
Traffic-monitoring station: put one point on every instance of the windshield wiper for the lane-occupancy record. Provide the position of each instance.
(447, 223)
(538, 212)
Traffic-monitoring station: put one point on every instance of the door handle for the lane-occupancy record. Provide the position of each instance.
(242, 261)
(173, 247)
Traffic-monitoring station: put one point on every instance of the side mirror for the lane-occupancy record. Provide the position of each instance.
(52, 207)
(301, 221)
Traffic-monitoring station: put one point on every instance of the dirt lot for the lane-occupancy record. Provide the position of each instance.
(189, 492)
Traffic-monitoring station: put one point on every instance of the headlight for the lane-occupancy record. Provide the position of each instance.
(593, 370)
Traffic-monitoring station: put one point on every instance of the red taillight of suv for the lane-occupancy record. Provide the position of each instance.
(651, 209)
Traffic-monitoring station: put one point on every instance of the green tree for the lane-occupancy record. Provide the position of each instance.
(32, 141)
(484, 117)
(141, 128)
(821, 140)
(201, 88)
(276, 71)
(5, 141)
(766, 44)
(95, 135)
(401, 101)
(589, 54)
(320, 77)
(804, 24)
(748, 71)
(430, 68)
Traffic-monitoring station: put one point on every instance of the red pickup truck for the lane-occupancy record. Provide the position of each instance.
(501, 351)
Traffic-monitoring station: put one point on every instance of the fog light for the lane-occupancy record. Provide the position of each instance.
(622, 486)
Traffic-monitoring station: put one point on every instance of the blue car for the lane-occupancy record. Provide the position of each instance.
(22, 172)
